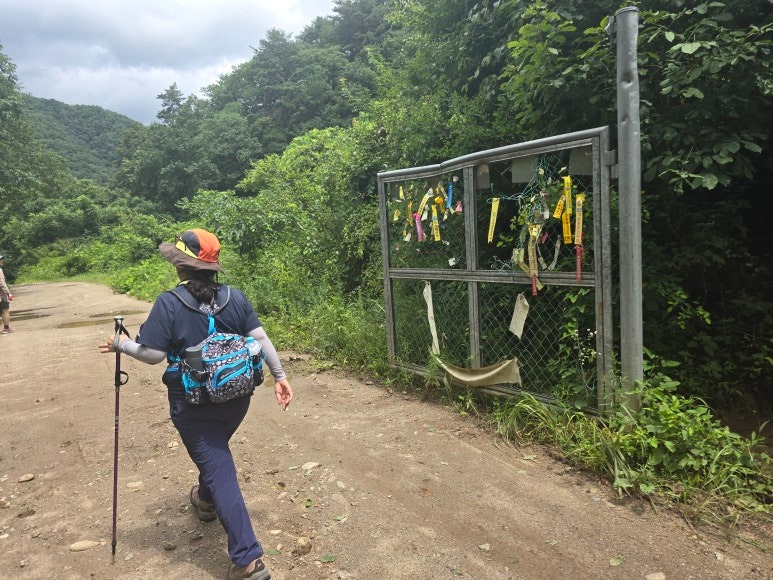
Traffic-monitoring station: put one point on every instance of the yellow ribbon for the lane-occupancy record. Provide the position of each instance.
(578, 220)
(567, 226)
(559, 207)
(533, 235)
(568, 193)
(424, 201)
(493, 219)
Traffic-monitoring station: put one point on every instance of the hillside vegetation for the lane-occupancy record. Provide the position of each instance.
(85, 136)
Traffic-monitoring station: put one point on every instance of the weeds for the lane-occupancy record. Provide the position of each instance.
(673, 449)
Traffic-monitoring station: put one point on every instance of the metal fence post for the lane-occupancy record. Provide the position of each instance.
(626, 25)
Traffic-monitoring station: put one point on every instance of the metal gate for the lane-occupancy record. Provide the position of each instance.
(491, 234)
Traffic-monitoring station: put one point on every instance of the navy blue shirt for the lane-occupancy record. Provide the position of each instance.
(172, 327)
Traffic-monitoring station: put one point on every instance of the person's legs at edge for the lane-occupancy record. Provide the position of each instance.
(6, 309)
(205, 432)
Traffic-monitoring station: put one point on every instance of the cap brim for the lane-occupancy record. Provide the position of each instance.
(178, 258)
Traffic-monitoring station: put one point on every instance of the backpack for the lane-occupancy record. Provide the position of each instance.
(227, 368)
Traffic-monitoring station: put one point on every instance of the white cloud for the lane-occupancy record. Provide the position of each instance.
(120, 54)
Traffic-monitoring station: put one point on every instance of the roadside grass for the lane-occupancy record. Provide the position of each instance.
(673, 451)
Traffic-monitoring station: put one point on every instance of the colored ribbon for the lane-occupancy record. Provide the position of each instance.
(419, 228)
(493, 219)
(423, 203)
(435, 225)
(578, 236)
(568, 193)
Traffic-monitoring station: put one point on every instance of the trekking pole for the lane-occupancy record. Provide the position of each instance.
(121, 378)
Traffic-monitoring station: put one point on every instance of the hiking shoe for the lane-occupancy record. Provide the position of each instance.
(259, 572)
(205, 510)
(8, 330)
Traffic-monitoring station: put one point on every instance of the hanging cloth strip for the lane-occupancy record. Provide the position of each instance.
(506, 372)
(450, 198)
(435, 225)
(534, 230)
(431, 317)
(419, 228)
(578, 249)
(493, 219)
(408, 228)
(518, 256)
(423, 205)
(520, 312)
(566, 217)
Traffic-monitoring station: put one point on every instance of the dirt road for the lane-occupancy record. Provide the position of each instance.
(380, 484)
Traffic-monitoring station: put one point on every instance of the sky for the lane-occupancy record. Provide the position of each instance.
(121, 54)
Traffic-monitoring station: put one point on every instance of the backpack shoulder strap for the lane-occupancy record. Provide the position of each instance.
(190, 302)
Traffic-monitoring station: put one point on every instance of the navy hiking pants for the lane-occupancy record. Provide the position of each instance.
(205, 431)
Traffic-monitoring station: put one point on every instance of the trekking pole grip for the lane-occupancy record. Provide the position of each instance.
(120, 376)
(118, 327)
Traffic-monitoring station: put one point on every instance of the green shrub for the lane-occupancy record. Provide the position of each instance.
(675, 446)
(672, 448)
(146, 280)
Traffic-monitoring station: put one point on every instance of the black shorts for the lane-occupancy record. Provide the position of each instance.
(4, 305)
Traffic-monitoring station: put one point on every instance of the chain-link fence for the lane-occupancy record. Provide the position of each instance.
(514, 246)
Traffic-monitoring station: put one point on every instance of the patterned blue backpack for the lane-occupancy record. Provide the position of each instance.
(223, 366)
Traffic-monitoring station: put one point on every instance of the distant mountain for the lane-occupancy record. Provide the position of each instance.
(85, 136)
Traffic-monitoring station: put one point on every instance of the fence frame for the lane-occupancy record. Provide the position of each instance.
(603, 159)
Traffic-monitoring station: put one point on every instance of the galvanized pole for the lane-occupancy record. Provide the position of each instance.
(626, 25)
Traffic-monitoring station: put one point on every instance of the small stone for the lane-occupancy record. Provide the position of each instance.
(303, 547)
(173, 444)
(655, 576)
(83, 545)
(22, 564)
(309, 465)
(135, 485)
(169, 546)
(485, 547)
(3, 536)
(26, 477)
(275, 532)
(4, 503)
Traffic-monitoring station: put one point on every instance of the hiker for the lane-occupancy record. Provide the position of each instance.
(5, 300)
(205, 429)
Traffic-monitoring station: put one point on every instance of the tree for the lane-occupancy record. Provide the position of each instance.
(171, 104)
(29, 174)
(227, 147)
